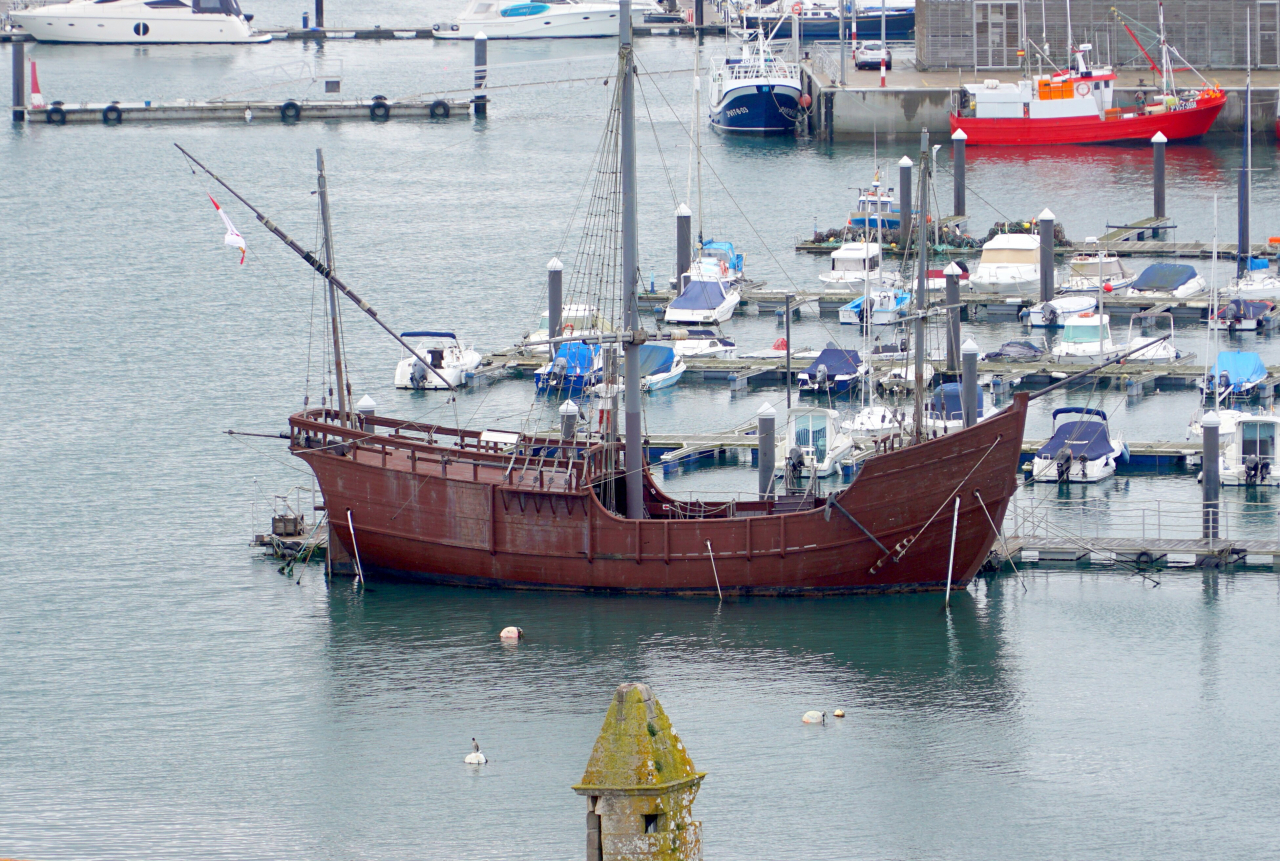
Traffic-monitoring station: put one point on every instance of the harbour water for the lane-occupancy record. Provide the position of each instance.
(167, 694)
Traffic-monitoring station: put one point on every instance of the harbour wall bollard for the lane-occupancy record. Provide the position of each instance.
(684, 244)
(555, 294)
(19, 81)
(952, 273)
(904, 197)
(766, 439)
(1209, 477)
(480, 104)
(1157, 170)
(1046, 256)
(969, 383)
(640, 784)
(957, 171)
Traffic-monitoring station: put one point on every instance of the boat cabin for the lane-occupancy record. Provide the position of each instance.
(1011, 249)
(811, 430)
(1083, 329)
(856, 257)
(1076, 92)
(1093, 267)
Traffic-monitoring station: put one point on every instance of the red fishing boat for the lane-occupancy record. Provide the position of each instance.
(1077, 105)
(576, 509)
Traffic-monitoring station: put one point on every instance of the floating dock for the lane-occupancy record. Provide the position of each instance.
(289, 110)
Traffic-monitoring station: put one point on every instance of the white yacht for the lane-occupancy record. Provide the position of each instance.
(450, 360)
(147, 22)
(1010, 264)
(583, 320)
(1247, 448)
(1056, 311)
(1163, 281)
(1088, 272)
(1086, 339)
(704, 300)
(1080, 451)
(707, 344)
(1255, 284)
(552, 19)
(855, 264)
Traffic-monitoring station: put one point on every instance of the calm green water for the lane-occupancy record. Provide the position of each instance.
(164, 693)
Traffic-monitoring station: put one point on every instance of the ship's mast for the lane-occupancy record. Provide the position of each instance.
(1166, 75)
(921, 282)
(633, 460)
(323, 186)
(697, 129)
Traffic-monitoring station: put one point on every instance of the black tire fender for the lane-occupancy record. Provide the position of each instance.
(55, 116)
(440, 109)
(290, 111)
(111, 115)
(380, 110)
(1144, 559)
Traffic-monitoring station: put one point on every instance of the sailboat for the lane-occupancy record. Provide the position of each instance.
(577, 508)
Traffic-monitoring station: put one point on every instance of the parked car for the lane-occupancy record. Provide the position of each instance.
(869, 54)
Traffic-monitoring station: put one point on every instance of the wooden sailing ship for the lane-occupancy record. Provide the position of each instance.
(580, 511)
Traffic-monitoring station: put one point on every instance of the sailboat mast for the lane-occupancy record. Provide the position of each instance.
(633, 460)
(921, 282)
(697, 126)
(1165, 74)
(323, 186)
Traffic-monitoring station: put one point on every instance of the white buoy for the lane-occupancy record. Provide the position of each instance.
(511, 634)
(475, 757)
(814, 717)
(838, 712)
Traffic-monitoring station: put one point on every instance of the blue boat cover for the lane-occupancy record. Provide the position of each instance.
(579, 356)
(428, 335)
(900, 299)
(1245, 309)
(1240, 367)
(946, 402)
(700, 296)
(1082, 437)
(1254, 262)
(837, 362)
(655, 359)
(727, 248)
(1165, 277)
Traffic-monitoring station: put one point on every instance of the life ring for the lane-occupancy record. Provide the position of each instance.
(440, 109)
(724, 268)
(55, 116)
(797, 8)
(566, 329)
(290, 111)
(380, 110)
(1140, 98)
(1082, 88)
(112, 115)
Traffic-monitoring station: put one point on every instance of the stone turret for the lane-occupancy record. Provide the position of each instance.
(640, 784)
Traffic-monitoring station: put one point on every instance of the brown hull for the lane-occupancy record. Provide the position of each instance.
(478, 520)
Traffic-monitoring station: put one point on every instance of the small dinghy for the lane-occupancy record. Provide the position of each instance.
(1080, 451)
(660, 367)
(576, 366)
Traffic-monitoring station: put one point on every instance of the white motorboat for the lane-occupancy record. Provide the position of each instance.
(1057, 311)
(1088, 272)
(583, 320)
(1083, 343)
(1165, 281)
(832, 372)
(888, 307)
(148, 22)
(1235, 374)
(705, 344)
(1242, 315)
(1010, 263)
(450, 360)
(856, 264)
(874, 421)
(704, 299)
(822, 444)
(552, 19)
(1247, 448)
(1080, 451)
(1254, 284)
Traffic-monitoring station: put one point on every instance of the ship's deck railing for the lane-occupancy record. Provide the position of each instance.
(1044, 517)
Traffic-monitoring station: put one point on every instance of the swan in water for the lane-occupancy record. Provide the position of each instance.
(475, 757)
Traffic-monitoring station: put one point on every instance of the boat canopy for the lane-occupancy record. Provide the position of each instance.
(1016, 350)
(723, 251)
(1091, 266)
(426, 334)
(1083, 329)
(838, 362)
(1244, 309)
(1083, 438)
(879, 300)
(1016, 248)
(700, 296)
(580, 357)
(1239, 367)
(946, 402)
(1164, 277)
(656, 359)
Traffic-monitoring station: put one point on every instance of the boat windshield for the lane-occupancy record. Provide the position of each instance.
(220, 7)
(854, 264)
(812, 431)
(1017, 256)
(1258, 438)
(1084, 333)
